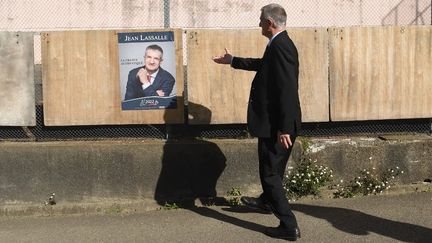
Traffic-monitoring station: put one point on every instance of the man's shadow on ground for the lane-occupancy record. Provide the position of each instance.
(358, 223)
(190, 170)
(352, 222)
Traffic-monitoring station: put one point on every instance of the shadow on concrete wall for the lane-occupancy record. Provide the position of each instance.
(409, 12)
(190, 169)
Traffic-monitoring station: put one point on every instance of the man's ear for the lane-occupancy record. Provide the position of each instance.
(271, 22)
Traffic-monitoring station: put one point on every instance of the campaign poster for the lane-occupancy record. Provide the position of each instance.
(147, 67)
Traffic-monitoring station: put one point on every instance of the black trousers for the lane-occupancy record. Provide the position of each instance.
(273, 159)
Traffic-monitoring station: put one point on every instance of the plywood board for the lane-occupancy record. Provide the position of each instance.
(81, 81)
(312, 47)
(17, 91)
(222, 92)
(380, 73)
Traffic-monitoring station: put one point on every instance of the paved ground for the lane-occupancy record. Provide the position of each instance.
(391, 218)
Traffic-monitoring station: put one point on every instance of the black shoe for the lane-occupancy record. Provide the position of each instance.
(283, 233)
(256, 203)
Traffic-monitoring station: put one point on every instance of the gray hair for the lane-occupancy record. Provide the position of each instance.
(156, 48)
(275, 12)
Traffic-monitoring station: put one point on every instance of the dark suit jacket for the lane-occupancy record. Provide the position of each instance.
(163, 81)
(274, 101)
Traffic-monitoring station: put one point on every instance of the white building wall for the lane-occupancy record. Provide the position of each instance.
(42, 15)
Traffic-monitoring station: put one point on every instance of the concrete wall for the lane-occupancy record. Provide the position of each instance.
(348, 156)
(81, 172)
(17, 95)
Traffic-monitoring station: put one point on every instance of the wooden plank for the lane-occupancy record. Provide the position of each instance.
(223, 92)
(81, 81)
(312, 47)
(17, 92)
(380, 73)
(219, 88)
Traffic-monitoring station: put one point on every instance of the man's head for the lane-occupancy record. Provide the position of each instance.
(272, 20)
(153, 58)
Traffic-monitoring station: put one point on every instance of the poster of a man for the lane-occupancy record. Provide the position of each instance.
(150, 79)
(146, 84)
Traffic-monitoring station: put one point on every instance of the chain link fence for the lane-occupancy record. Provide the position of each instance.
(43, 15)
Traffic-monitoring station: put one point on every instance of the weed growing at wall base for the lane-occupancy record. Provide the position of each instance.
(234, 196)
(306, 179)
(369, 182)
(170, 206)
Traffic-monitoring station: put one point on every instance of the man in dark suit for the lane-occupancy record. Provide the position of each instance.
(151, 79)
(274, 115)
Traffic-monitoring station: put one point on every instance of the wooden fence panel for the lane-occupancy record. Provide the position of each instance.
(81, 81)
(312, 45)
(380, 73)
(219, 88)
(225, 91)
(17, 91)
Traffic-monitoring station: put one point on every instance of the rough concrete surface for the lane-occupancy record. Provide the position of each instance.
(17, 95)
(97, 176)
(392, 218)
(348, 156)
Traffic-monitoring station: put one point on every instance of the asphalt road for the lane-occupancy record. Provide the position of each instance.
(390, 218)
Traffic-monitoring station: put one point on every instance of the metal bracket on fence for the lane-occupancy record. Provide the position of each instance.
(430, 127)
(29, 133)
(168, 129)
